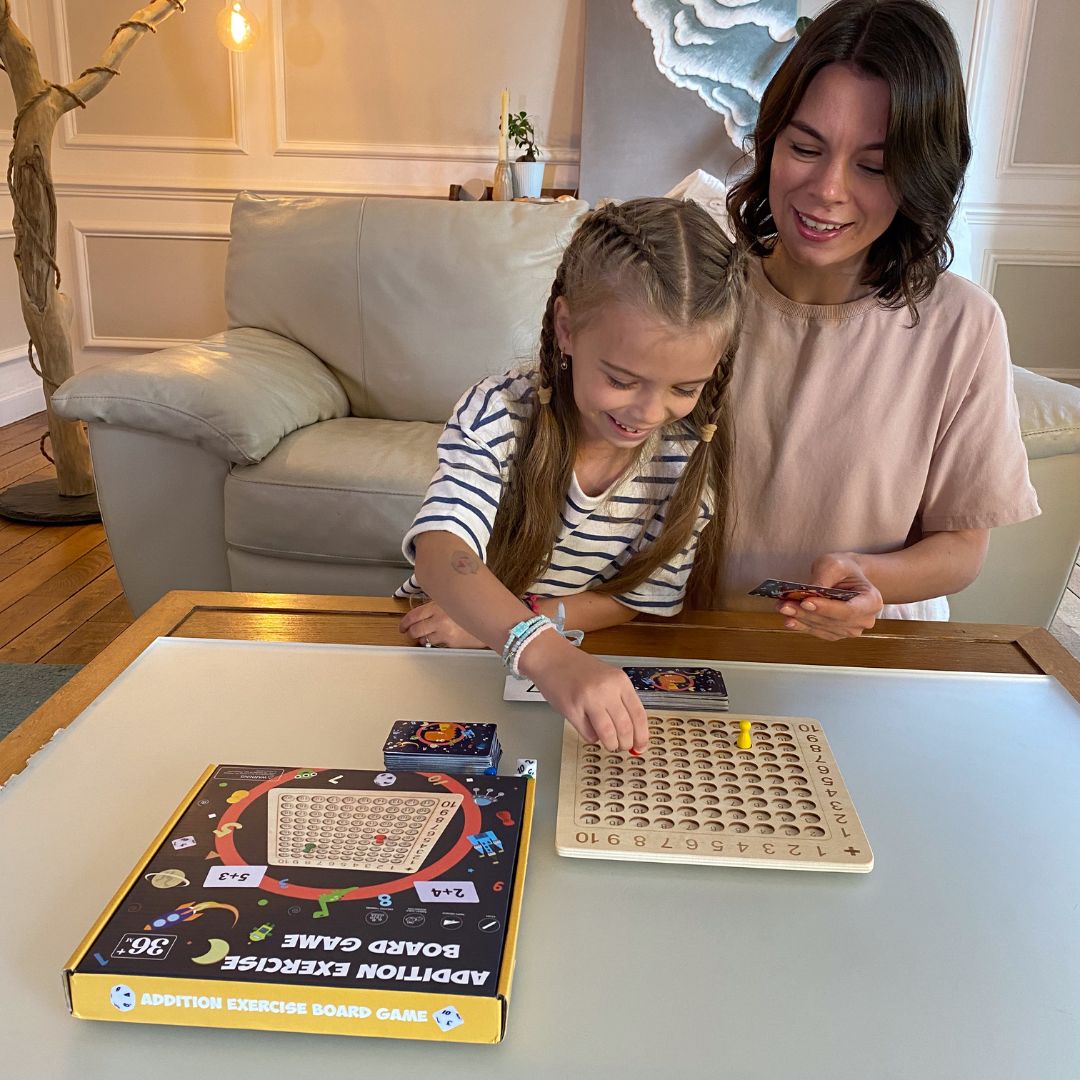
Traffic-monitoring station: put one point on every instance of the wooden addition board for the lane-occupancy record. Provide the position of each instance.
(696, 796)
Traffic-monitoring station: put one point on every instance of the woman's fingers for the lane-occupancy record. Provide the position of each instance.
(424, 628)
(410, 618)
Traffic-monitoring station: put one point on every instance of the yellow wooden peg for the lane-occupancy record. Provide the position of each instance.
(743, 742)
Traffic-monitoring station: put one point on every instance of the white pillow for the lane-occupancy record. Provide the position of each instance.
(707, 190)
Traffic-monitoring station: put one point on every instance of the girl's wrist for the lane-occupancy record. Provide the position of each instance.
(540, 653)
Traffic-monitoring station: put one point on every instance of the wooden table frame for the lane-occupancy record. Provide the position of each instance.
(717, 636)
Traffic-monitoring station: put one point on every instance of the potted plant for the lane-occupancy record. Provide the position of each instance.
(528, 170)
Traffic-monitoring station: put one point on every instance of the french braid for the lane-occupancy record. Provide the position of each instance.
(671, 259)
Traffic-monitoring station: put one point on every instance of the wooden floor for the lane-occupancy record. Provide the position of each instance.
(61, 601)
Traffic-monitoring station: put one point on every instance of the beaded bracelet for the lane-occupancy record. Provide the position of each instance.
(518, 631)
(516, 657)
(520, 634)
(532, 602)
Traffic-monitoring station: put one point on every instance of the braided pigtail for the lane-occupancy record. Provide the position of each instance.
(705, 486)
(526, 524)
(670, 259)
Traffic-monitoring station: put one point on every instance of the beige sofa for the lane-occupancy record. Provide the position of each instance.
(289, 453)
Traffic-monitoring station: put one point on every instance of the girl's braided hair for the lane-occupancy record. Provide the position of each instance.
(671, 260)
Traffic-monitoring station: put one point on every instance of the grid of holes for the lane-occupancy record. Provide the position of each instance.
(693, 777)
(361, 831)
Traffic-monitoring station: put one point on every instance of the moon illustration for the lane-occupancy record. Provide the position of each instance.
(218, 950)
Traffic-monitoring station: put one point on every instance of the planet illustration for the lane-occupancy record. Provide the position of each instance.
(218, 949)
(167, 879)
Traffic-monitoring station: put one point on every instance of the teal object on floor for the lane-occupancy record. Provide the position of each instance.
(23, 687)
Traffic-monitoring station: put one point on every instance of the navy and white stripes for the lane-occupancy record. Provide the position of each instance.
(598, 534)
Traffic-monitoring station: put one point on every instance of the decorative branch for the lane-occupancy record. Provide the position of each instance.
(46, 311)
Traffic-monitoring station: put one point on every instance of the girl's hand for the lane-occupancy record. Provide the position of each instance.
(832, 620)
(595, 697)
(430, 625)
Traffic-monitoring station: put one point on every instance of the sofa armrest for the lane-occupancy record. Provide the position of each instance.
(1049, 414)
(236, 394)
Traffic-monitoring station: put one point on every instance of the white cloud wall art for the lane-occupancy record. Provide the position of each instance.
(724, 50)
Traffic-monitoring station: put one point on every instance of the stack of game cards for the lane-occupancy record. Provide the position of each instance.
(420, 746)
(680, 687)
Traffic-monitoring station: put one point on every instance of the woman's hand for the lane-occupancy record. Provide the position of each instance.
(832, 620)
(430, 625)
(595, 697)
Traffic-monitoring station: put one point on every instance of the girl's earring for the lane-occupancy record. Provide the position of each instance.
(564, 363)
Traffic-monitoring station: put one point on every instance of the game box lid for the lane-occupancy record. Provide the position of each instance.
(318, 900)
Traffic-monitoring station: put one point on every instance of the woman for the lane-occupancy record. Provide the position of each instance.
(877, 435)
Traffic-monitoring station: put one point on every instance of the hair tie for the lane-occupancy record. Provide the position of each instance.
(543, 393)
(707, 432)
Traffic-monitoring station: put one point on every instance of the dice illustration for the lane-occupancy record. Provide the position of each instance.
(448, 1018)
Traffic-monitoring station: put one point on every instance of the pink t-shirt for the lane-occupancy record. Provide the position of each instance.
(857, 432)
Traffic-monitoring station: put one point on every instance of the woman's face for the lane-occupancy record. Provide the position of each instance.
(827, 189)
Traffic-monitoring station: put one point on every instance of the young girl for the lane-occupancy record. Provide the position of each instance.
(877, 428)
(590, 480)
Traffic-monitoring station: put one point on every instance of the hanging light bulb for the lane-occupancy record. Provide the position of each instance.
(237, 28)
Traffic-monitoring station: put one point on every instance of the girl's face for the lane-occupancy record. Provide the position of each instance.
(633, 373)
(827, 188)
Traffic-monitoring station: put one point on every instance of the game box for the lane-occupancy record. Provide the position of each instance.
(317, 900)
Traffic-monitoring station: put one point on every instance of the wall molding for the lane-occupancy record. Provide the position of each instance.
(14, 352)
(70, 138)
(1014, 103)
(980, 43)
(83, 290)
(117, 188)
(21, 392)
(996, 257)
(283, 147)
(1023, 214)
(286, 147)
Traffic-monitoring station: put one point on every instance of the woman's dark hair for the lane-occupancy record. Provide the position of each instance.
(927, 145)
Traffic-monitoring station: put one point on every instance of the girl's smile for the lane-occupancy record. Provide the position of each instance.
(633, 372)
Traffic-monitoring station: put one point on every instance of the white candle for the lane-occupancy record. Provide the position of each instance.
(504, 117)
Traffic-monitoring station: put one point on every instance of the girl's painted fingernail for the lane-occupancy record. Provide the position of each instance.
(808, 605)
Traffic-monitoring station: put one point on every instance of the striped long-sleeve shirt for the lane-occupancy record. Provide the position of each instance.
(598, 533)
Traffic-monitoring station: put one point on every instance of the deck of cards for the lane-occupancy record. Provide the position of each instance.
(680, 687)
(420, 746)
(799, 590)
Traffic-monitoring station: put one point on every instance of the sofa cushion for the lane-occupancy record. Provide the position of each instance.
(408, 300)
(344, 490)
(1049, 414)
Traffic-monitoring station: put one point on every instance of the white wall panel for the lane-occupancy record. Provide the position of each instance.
(377, 74)
(1040, 296)
(379, 97)
(177, 89)
(147, 287)
(1047, 133)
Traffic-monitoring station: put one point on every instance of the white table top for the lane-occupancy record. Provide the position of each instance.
(958, 956)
